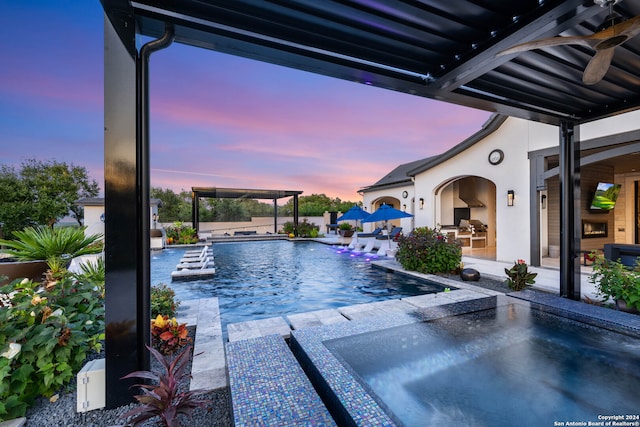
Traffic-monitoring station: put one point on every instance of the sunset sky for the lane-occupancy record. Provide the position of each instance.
(216, 120)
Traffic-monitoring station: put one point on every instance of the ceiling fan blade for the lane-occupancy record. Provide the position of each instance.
(621, 31)
(553, 41)
(630, 27)
(598, 66)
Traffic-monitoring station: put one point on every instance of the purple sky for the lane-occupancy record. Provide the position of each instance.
(216, 120)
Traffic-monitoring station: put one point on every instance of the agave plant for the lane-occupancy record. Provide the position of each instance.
(44, 243)
(164, 399)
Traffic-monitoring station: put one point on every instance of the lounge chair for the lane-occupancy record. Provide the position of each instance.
(356, 243)
(385, 241)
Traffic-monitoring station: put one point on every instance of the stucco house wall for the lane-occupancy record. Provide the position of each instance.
(515, 137)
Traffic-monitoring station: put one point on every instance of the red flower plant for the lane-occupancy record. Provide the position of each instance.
(167, 335)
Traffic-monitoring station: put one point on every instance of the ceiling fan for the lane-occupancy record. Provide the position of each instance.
(614, 32)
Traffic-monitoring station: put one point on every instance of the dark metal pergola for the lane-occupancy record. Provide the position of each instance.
(238, 193)
(438, 49)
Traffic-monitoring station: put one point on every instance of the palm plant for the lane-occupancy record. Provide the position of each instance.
(44, 243)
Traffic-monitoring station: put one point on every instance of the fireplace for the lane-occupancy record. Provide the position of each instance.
(592, 230)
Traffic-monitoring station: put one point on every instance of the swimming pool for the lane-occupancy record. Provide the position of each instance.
(256, 280)
(505, 366)
(524, 361)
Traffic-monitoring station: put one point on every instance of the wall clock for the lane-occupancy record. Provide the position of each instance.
(496, 157)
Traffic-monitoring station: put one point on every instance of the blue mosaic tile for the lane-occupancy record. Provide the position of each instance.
(269, 388)
(603, 317)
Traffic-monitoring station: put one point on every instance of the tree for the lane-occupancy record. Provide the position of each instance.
(175, 207)
(41, 193)
(316, 205)
(14, 202)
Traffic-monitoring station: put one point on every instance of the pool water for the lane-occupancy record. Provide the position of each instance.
(505, 366)
(256, 280)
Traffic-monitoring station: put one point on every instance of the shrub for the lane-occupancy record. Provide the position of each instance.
(305, 228)
(163, 301)
(167, 335)
(345, 226)
(45, 336)
(615, 281)
(181, 234)
(427, 250)
(44, 243)
(288, 227)
(519, 277)
(164, 399)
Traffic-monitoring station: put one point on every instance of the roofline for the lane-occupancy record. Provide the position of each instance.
(396, 184)
(492, 124)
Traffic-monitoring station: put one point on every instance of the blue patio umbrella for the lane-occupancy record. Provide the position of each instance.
(386, 213)
(354, 214)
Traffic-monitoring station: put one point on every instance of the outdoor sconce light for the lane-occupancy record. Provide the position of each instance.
(404, 207)
(155, 218)
(543, 201)
(510, 196)
(421, 203)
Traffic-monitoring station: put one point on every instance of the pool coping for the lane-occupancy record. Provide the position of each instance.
(350, 402)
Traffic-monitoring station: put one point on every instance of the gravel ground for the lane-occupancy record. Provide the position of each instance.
(62, 413)
(484, 282)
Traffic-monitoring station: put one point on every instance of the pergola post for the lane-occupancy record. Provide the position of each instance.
(123, 236)
(569, 211)
(275, 216)
(127, 219)
(195, 209)
(295, 213)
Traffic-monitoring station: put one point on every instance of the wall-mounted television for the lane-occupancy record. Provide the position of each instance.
(604, 199)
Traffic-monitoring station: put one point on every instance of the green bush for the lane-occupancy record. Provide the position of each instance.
(305, 228)
(181, 234)
(163, 301)
(45, 336)
(289, 227)
(427, 250)
(615, 281)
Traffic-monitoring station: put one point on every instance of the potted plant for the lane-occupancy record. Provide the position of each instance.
(345, 229)
(621, 284)
(519, 276)
(36, 249)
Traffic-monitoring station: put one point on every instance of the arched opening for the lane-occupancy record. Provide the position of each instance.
(466, 210)
(394, 203)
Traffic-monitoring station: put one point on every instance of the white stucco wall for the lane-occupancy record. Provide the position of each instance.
(515, 138)
(92, 220)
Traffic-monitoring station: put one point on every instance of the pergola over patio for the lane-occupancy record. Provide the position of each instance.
(438, 49)
(237, 193)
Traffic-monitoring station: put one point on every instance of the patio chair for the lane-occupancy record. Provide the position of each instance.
(356, 243)
(385, 241)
